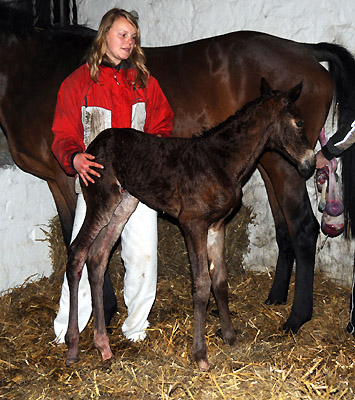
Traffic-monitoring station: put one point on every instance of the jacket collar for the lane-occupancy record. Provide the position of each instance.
(125, 68)
(124, 64)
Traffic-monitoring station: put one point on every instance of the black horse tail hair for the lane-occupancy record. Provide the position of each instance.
(342, 69)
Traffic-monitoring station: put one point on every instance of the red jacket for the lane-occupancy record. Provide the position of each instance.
(115, 97)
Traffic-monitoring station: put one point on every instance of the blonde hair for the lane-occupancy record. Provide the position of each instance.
(97, 52)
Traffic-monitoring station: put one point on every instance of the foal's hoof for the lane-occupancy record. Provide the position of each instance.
(108, 362)
(107, 356)
(71, 361)
(203, 365)
(229, 338)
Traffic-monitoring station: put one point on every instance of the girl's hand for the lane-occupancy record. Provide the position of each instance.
(84, 167)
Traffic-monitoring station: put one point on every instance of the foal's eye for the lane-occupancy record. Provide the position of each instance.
(299, 124)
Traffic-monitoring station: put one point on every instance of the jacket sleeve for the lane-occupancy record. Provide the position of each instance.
(344, 137)
(159, 119)
(67, 126)
(340, 141)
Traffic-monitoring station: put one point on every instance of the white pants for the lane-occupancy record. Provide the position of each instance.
(139, 242)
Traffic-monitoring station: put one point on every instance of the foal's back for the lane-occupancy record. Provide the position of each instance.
(164, 173)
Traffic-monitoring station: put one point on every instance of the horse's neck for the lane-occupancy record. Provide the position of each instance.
(244, 143)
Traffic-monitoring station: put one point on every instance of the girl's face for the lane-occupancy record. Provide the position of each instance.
(120, 40)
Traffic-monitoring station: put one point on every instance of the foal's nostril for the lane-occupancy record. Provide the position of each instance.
(308, 165)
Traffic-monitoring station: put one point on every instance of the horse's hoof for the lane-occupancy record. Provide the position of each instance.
(350, 329)
(294, 323)
(214, 312)
(275, 302)
(109, 314)
(289, 327)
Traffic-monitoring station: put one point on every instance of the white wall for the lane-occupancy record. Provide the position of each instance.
(167, 22)
(26, 204)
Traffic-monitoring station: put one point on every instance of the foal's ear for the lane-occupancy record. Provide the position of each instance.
(265, 88)
(294, 93)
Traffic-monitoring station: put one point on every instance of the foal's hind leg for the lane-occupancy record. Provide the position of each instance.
(97, 263)
(218, 273)
(97, 216)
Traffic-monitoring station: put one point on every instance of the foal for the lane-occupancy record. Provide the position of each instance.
(199, 182)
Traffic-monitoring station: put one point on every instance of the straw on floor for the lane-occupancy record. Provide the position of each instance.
(265, 363)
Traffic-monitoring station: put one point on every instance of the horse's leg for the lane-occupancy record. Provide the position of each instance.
(109, 298)
(286, 256)
(218, 273)
(97, 262)
(290, 190)
(351, 325)
(65, 211)
(196, 241)
(304, 233)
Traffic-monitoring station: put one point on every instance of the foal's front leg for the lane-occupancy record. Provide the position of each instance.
(218, 273)
(196, 242)
(73, 270)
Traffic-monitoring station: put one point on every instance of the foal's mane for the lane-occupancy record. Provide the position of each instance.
(241, 115)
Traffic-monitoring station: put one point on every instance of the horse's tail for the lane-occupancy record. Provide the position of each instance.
(342, 69)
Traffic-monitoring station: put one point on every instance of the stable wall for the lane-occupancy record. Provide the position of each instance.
(26, 206)
(26, 202)
(166, 23)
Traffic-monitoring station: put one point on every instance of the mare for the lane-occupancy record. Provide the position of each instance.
(198, 181)
(205, 81)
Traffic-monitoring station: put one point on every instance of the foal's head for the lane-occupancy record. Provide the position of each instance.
(288, 134)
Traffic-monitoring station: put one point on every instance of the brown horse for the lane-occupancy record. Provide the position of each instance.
(205, 81)
(199, 182)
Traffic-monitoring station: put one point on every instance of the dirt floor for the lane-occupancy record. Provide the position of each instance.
(265, 363)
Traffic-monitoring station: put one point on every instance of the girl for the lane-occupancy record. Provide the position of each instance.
(113, 89)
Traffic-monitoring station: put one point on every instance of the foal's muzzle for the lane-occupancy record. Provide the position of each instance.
(307, 165)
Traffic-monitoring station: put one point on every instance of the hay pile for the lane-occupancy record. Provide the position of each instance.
(317, 363)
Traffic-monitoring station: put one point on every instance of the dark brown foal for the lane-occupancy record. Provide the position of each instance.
(199, 182)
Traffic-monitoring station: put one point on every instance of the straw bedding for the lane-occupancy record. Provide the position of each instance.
(265, 363)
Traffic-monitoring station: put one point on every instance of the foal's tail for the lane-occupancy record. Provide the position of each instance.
(342, 69)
